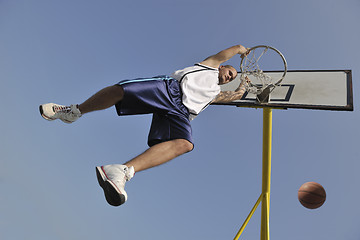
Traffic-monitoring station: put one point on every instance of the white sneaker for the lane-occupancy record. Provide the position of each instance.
(112, 179)
(67, 114)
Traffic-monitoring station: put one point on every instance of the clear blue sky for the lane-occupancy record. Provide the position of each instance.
(64, 51)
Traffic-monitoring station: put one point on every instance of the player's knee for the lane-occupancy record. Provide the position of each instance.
(184, 146)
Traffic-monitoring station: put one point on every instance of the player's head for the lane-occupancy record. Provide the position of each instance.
(227, 73)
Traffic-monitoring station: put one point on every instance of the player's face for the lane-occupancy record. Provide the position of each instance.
(226, 74)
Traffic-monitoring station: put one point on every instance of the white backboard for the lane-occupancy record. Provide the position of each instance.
(308, 89)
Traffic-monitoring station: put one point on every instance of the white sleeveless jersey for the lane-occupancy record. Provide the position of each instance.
(199, 85)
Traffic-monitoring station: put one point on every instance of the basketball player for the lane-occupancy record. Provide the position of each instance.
(173, 100)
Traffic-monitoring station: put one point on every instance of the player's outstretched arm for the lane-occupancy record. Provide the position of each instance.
(216, 60)
(229, 96)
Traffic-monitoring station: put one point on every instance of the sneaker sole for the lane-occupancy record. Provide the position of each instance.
(112, 195)
(48, 118)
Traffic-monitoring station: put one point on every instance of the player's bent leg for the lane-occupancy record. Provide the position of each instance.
(160, 154)
(103, 99)
(112, 178)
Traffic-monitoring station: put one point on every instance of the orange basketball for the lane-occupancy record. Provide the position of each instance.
(312, 195)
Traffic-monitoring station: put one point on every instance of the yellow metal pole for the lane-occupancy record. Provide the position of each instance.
(266, 174)
(266, 178)
(248, 218)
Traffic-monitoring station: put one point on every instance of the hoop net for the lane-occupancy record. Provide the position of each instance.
(251, 72)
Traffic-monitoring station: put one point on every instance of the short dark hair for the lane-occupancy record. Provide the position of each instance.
(228, 66)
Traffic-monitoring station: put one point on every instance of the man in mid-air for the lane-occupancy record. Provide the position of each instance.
(173, 100)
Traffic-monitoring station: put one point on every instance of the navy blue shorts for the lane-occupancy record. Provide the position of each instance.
(162, 97)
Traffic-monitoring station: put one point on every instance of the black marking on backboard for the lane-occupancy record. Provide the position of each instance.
(286, 99)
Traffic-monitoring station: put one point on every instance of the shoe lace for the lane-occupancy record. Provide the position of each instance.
(61, 109)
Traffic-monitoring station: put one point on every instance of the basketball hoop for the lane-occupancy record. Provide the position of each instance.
(258, 82)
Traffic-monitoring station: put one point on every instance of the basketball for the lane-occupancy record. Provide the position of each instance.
(312, 195)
